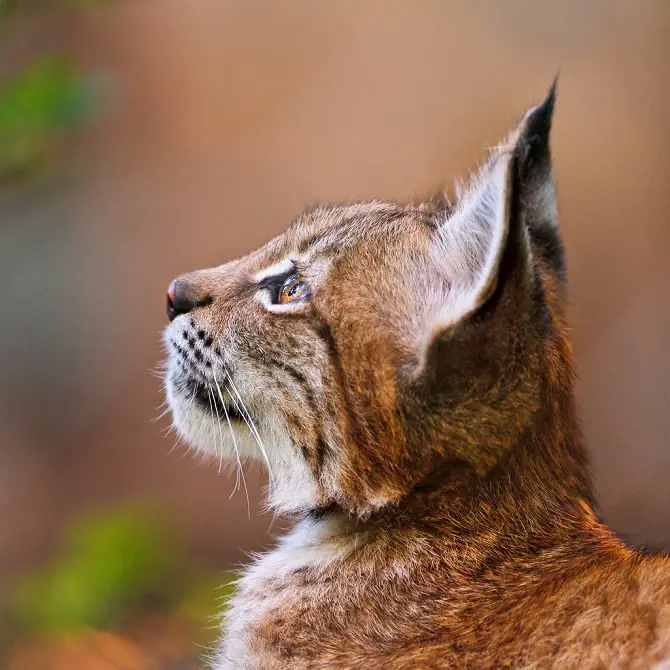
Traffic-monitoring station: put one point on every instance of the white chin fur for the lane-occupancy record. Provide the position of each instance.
(200, 430)
(291, 486)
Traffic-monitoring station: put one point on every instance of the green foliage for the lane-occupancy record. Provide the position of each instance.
(9, 7)
(37, 106)
(109, 563)
(204, 601)
(112, 563)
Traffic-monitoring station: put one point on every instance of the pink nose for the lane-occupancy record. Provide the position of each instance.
(171, 301)
(184, 295)
(170, 291)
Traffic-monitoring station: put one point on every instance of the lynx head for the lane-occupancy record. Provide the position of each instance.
(372, 344)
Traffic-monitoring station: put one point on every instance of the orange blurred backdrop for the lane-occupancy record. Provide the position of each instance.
(217, 122)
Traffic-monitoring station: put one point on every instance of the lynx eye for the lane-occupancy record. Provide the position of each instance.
(294, 288)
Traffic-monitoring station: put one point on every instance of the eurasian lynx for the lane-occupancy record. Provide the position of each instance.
(405, 372)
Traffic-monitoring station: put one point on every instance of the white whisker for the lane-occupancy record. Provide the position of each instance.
(232, 435)
(201, 424)
(169, 429)
(215, 416)
(252, 427)
(240, 469)
(177, 442)
(166, 411)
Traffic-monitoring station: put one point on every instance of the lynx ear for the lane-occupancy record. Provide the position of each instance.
(511, 192)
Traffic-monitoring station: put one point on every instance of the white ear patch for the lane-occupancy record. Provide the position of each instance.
(472, 238)
(469, 243)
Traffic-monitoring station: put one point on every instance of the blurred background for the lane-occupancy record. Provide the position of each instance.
(145, 138)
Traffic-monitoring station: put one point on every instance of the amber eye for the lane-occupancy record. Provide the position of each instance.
(292, 289)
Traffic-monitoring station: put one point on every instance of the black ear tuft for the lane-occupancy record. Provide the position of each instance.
(535, 184)
(533, 157)
(539, 119)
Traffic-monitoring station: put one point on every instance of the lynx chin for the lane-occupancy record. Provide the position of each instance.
(404, 371)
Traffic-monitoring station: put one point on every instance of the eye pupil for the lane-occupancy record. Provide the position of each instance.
(292, 289)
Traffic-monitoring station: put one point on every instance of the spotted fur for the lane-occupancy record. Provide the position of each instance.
(416, 413)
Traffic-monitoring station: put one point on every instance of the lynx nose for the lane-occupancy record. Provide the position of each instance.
(183, 296)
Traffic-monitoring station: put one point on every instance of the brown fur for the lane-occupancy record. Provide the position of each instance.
(445, 517)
